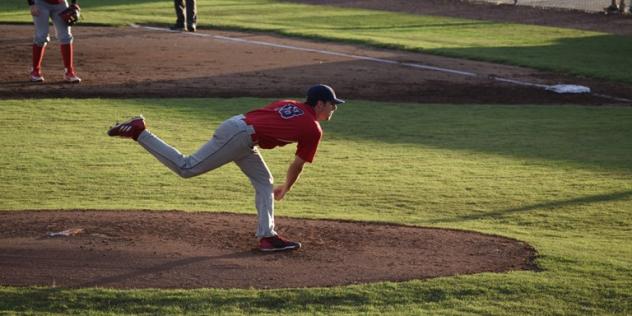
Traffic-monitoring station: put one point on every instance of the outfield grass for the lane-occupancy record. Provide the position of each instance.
(558, 177)
(563, 50)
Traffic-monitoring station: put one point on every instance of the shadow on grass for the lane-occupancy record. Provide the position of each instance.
(601, 56)
(599, 198)
(587, 137)
(408, 27)
(57, 300)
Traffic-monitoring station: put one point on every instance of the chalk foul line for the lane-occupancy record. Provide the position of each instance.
(374, 59)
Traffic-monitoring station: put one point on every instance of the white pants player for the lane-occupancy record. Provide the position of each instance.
(232, 142)
(51, 11)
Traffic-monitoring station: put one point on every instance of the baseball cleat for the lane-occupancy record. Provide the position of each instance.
(129, 129)
(178, 28)
(71, 77)
(277, 243)
(36, 76)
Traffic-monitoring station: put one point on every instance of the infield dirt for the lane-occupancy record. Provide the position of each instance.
(128, 62)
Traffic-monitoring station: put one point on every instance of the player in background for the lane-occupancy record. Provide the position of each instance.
(236, 140)
(186, 14)
(615, 8)
(42, 10)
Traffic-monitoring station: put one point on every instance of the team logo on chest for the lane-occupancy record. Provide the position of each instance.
(289, 111)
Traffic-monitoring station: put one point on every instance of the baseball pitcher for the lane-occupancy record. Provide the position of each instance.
(236, 140)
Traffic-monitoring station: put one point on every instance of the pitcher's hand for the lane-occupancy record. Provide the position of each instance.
(279, 192)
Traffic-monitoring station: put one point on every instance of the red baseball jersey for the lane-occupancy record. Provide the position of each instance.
(287, 121)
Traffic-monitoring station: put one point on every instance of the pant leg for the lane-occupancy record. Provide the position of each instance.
(41, 36)
(179, 7)
(257, 171)
(230, 142)
(191, 13)
(64, 34)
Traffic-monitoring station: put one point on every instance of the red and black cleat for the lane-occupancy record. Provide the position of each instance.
(129, 129)
(36, 76)
(277, 243)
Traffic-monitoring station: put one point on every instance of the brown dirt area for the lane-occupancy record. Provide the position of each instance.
(144, 249)
(131, 62)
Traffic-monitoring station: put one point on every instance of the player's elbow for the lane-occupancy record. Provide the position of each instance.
(298, 164)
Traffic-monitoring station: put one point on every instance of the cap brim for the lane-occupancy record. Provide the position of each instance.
(339, 101)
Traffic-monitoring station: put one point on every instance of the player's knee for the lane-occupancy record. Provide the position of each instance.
(41, 39)
(66, 39)
(185, 173)
(267, 184)
(265, 188)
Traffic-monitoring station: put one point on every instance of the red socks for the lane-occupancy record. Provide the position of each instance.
(38, 56)
(67, 54)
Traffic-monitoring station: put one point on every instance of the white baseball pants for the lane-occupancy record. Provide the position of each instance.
(232, 141)
(50, 11)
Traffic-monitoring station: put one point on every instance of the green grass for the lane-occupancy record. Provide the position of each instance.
(576, 52)
(558, 177)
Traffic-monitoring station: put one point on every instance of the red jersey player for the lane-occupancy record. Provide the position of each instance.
(236, 140)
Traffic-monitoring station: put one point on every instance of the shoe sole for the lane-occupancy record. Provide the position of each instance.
(281, 249)
(77, 80)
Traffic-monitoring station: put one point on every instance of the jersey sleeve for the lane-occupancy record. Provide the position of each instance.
(308, 144)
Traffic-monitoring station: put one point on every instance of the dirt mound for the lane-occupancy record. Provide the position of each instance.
(134, 249)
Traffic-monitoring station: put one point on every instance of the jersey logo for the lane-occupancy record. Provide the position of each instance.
(289, 111)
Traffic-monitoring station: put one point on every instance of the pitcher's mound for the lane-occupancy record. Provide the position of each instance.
(135, 249)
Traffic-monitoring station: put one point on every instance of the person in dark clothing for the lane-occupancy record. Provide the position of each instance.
(186, 15)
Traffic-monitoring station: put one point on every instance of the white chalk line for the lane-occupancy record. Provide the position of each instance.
(319, 51)
(373, 59)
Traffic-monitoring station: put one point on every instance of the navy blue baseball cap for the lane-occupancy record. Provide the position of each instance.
(322, 92)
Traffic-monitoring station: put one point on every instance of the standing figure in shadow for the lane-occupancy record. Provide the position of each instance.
(186, 15)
